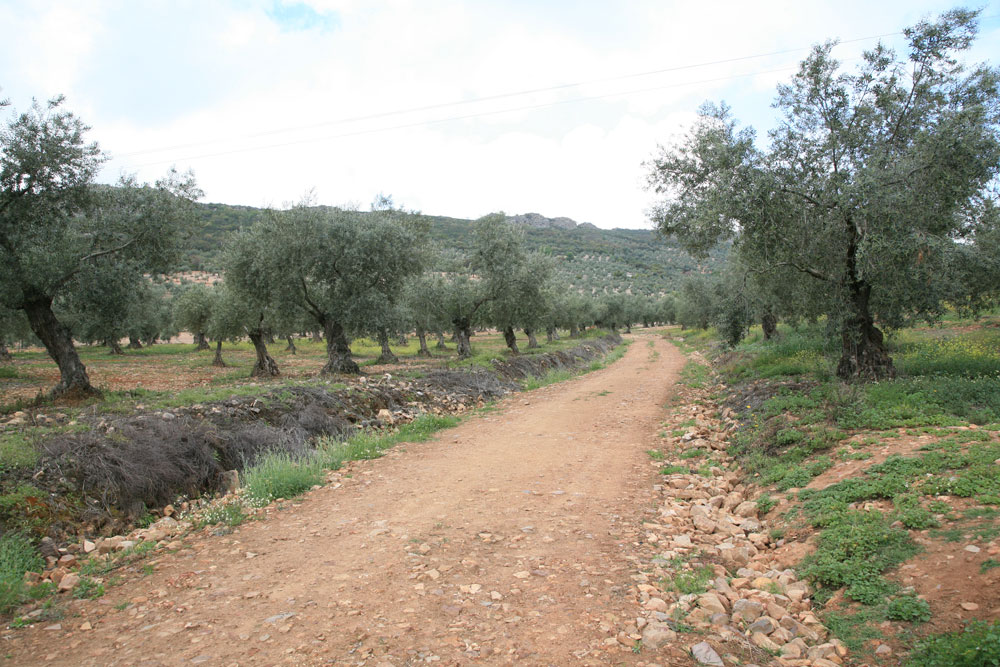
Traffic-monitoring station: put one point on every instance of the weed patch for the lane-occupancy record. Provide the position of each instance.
(17, 556)
(279, 475)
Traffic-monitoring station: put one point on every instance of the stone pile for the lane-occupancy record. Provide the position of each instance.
(707, 537)
(62, 564)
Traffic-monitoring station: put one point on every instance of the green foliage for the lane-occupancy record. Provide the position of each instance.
(908, 608)
(88, 589)
(17, 450)
(231, 514)
(278, 475)
(976, 645)
(692, 581)
(370, 445)
(23, 508)
(17, 556)
(765, 503)
(694, 374)
(853, 552)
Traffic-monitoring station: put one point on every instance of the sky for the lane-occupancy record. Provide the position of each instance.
(455, 108)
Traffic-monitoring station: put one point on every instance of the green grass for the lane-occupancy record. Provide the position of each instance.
(853, 552)
(553, 376)
(372, 444)
(17, 556)
(694, 374)
(17, 450)
(908, 608)
(691, 581)
(8, 373)
(976, 645)
(231, 514)
(279, 475)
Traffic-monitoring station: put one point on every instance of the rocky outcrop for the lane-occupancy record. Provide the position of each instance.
(539, 221)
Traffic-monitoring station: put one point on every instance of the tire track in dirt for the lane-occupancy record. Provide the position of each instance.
(502, 541)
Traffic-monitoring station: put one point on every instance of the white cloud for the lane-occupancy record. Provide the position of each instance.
(220, 78)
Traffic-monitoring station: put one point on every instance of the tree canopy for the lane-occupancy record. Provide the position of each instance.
(56, 225)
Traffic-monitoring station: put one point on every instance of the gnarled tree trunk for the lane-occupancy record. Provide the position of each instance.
(463, 336)
(422, 337)
(863, 357)
(769, 324)
(574, 331)
(532, 341)
(551, 334)
(386, 356)
(511, 340)
(441, 344)
(291, 344)
(265, 365)
(5, 354)
(217, 359)
(401, 340)
(338, 351)
(201, 342)
(317, 336)
(134, 343)
(114, 347)
(58, 342)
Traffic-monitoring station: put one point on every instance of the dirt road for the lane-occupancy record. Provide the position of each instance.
(502, 541)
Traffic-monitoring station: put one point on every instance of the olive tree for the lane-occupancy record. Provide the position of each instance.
(192, 310)
(332, 264)
(860, 188)
(55, 223)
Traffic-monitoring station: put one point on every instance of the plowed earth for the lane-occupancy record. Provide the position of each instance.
(502, 541)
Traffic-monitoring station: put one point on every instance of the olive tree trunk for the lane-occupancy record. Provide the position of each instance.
(217, 359)
(511, 340)
(551, 334)
(863, 355)
(5, 354)
(574, 331)
(463, 336)
(58, 342)
(265, 365)
(532, 341)
(441, 344)
(114, 347)
(134, 343)
(338, 351)
(769, 324)
(386, 356)
(422, 337)
(201, 342)
(291, 344)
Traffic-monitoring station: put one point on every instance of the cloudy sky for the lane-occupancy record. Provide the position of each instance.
(454, 108)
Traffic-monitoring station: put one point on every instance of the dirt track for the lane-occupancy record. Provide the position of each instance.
(503, 541)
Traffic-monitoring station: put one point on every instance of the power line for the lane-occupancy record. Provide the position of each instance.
(490, 98)
(449, 119)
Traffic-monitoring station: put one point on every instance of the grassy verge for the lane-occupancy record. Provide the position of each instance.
(796, 421)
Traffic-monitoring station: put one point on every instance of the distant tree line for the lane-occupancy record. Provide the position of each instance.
(88, 263)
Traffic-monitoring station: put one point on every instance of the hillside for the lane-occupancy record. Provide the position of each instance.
(590, 258)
